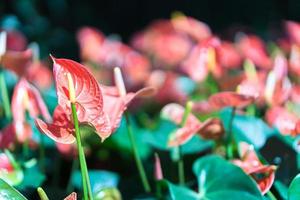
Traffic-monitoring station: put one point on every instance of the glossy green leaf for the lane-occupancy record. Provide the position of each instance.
(8, 192)
(281, 189)
(220, 179)
(247, 128)
(294, 189)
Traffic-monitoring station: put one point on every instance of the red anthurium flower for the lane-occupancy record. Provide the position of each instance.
(192, 27)
(26, 98)
(253, 48)
(228, 56)
(210, 129)
(202, 60)
(39, 74)
(89, 103)
(285, 121)
(166, 85)
(16, 41)
(7, 136)
(174, 112)
(5, 164)
(16, 61)
(293, 29)
(164, 43)
(230, 99)
(294, 60)
(10, 170)
(72, 196)
(295, 94)
(252, 166)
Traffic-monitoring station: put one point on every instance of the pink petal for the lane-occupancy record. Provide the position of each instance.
(232, 99)
(72, 196)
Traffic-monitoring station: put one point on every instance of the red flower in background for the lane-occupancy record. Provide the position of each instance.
(161, 41)
(293, 29)
(26, 98)
(253, 48)
(210, 129)
(196, 29)
(263, 175)
(166, 85)
(7, 136)
(294, 61)
(230, 99)
(202, 60)
(228, 56)
(286, 122)
(110, 53)
(39, 74)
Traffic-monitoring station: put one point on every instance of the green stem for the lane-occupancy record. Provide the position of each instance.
(181, 175)
(81, 156)
(87, 176)
(5, 97)
(230, 138)
(271, 195)
(136, 156)
(42, 194)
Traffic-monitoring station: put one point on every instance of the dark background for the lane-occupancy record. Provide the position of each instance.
(53, 23)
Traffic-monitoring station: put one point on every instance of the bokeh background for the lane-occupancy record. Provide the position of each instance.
(53, 23)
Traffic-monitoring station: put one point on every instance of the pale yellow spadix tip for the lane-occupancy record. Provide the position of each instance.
(189, 104)
(119, 81)
(211, 58)
(3, 40)
(26, 100)
(72, 97)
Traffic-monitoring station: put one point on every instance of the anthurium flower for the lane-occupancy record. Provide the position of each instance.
(230, 99)
(295, 94)
(166, 84)
(72, 196)
(210, 129)
(16, 41)
(228, 56)
(262, 174)
(95, 47)
(294, 60)
(7, 136)
(253, 48)
(39, 74)
(194, 28)
(161, 41)
(202, 60)
(293, 29)
(26, 98)
(286, 122)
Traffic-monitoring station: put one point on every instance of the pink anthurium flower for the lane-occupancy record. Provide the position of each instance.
(252, 166)
(230, 99)
(89, 103)
(286, 122)
(294, 60)
(202, 60)
(228, 56)
(253, 48)
(39, 74)
(293, 29)
(72, 196)
(9, 170)
(26, 98)
(7, 136)
(209, 129)
(194, 28)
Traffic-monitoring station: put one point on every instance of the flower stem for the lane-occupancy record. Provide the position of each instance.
(137, 157)
(181, 175)
(83, 167)
(42, 194)
(5, 98)
(271, 195)
(230, 138)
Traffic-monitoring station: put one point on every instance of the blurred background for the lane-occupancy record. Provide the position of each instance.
(53, 23)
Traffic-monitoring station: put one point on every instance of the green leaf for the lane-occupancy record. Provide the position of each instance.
(33, 177)
(100, 179)
(294, 191)
(8, 192)
(247, 128)
(281, 189)
(217, 179)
